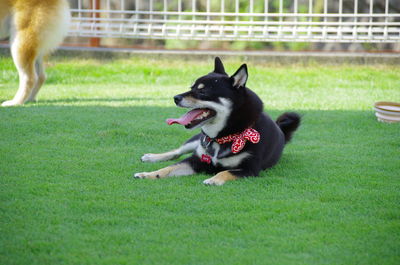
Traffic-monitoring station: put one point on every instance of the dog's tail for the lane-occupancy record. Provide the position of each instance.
(288, 122)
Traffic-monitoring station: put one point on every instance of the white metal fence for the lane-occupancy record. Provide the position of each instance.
(245, 20)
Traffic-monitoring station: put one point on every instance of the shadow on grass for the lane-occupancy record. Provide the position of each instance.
(79, 100)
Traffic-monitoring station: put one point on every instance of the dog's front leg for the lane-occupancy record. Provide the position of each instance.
(180, 169)
(187, 147)
(24, 52)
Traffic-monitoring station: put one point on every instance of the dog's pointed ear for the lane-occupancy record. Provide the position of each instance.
(239, 78)
(219, 67)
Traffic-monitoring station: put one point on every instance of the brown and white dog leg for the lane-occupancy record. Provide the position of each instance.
(181, 169)
(41, 75)
(220, 178)
(24, 52)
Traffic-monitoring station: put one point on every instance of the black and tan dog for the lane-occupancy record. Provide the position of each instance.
(237, 138)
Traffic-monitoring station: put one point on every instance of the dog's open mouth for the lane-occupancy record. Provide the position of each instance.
(193, 118)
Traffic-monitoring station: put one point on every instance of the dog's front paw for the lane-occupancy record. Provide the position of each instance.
(149, 158)
(141, 175)
(146, 175)
(10, 103)
(214, 181)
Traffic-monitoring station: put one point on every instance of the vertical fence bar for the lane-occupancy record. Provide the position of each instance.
(236, 8)
(165, 10)
(295, 12)
(223, 10)
(95, 41)
(251, 11)
(371, 9)
(237, 17)
(79, 14)
(137, 8)
(193, 17)
(180, 9)
(355, 27)
(108, 8)
(280, 18)
(324, 34)
(266, 7)
(339, 32)
(208, 9)
(122, 8)
(385, 30)
(221, 29)
(194, 8)
(151, 9)
(178, 30)
(310, 11)
(149, 30)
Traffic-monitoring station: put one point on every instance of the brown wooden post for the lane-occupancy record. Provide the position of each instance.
(95, 41)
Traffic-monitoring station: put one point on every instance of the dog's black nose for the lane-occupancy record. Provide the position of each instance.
(177, 99)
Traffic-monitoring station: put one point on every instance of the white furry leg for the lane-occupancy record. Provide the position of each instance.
(160, 157)
(184, 149)
(24, 55)
(26, 84)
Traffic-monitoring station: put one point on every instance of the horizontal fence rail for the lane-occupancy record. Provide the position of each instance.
(233, 20)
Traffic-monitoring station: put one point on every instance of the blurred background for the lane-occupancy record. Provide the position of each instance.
(296, 25)
(272, 25)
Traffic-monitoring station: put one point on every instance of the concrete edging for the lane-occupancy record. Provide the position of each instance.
(252, 56)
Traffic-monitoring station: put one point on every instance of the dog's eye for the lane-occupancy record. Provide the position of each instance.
(201, 92)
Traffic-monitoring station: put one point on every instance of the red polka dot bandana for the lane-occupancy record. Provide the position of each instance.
(205, 159)
(239, 139)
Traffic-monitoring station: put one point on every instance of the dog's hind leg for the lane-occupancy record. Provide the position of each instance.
(41, 77)
(187, 147)
(232, 174)
(38, 30)
(24, 53)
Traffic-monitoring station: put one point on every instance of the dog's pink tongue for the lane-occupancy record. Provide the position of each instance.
(187, 118)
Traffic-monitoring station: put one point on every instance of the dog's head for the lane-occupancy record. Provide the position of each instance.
(212, 99)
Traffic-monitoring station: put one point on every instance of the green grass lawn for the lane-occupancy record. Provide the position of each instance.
(66, 164)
